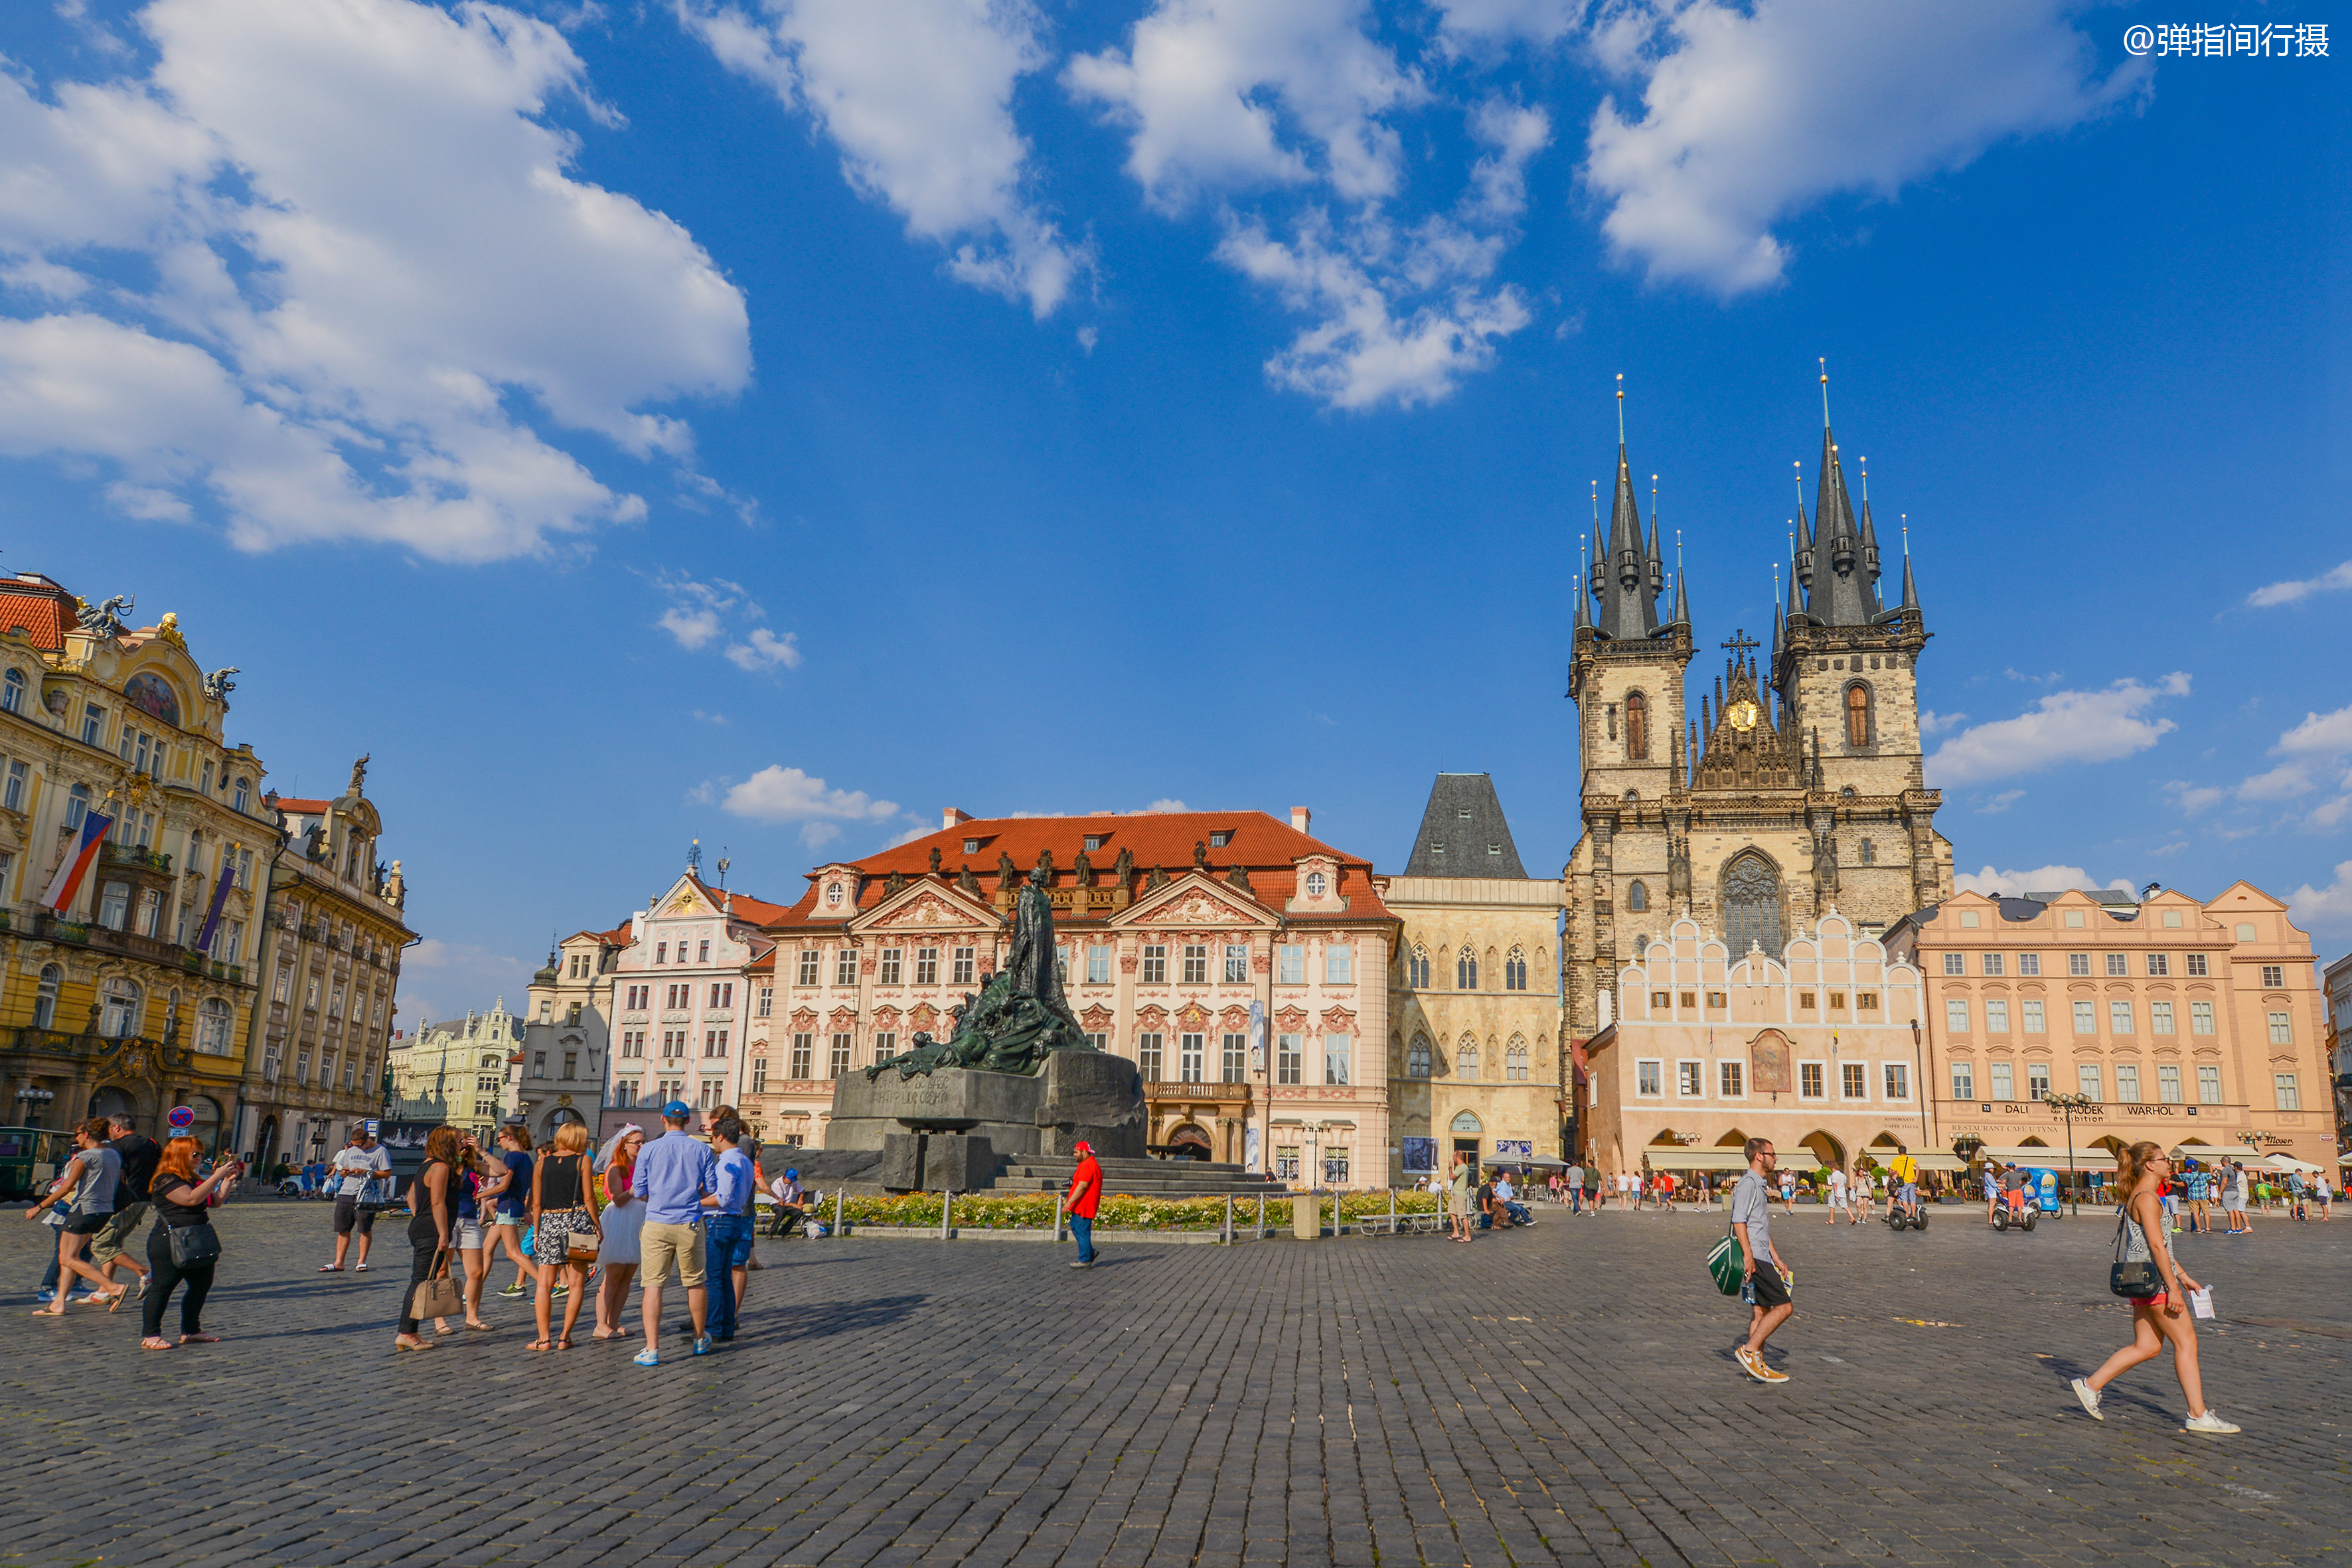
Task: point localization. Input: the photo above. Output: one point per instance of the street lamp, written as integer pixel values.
(2069, 1104)
(30, 1102)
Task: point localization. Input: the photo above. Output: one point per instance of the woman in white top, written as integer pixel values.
(2165, 1316)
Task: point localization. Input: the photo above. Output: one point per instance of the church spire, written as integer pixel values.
(1869, 539)
(1910, 589)
(1628, 570)
(1841, 596)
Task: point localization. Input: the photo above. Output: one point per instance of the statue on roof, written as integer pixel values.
(1008, 875)
(1124, 867)
(1199, 855)
(217, 685)
(966, 882)
(359, 773)
(935, 859)
(1020, 1016)
(109, 618)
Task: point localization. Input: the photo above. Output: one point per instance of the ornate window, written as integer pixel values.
(1637, 897)
(1751, 905)
(1637, 727)
(1465, 971)
(1857, 714)
(1515, 971)
(1869, 853)
(1417, 1057)
(1416, 969)
(1465, 1060)
(45, 1001)
(12, 692)
(1515, 1061)
(118, 1008)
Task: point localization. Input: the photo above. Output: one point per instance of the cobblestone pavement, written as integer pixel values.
(1560, 1394)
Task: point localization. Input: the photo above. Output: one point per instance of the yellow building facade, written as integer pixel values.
(111, 1003)
(1475, 996)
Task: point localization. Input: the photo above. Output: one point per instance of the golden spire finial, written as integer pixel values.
(1621, 408)
(1825, 393)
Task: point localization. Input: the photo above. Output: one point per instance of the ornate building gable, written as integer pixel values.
(1152, 1017)
(1098, 1019)
(922, 1015)
(928, 906)
(1745, 750)
(803, 1019)
(843, 1017)
(1192, 1016)
(1234, 1018)
(1291, 1021)
(686, 900)
(1192, 899)
(1338, 1021)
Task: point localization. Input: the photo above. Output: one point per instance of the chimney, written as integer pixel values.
(954, 816)
(1300, 817)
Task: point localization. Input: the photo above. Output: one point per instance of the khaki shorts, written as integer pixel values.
(660, 1244)
(106, 1245)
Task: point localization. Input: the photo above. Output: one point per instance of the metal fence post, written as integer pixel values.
(837, 1210)
(1261, 1217)
(1058, 1200)
(1228, 1236)
(947, 1203)
(1391, 1211)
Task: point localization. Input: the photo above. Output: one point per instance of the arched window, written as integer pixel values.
(1417, 1057)
(12, 692)
(1466, 1059)
(1869, 855)
(1637, 727)
(1416, 968)
(212, 1027)
(1751, 905)
(1515, 971)
(1515, 1061)
(1857, 714)
(1637, 897)
(118, 1008)
(45, 1000)
(1465, 971)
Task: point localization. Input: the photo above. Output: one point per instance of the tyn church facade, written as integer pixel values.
(1797, 786)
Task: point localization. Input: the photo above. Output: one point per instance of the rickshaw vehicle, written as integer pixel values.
(30, 1159)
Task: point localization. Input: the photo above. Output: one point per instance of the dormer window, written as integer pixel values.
(971, 845)
(1438, 847)
(1464, 813)
(1316, 883)
(1096, 840)
(1220, 837)
(832, 893)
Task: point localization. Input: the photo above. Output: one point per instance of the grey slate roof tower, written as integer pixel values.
(1463, 833)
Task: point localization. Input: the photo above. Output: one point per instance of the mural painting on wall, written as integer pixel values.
(1768, 1064)
(152, 696)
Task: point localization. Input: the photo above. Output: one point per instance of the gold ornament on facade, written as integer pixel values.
(168, 628)
(1743, 715)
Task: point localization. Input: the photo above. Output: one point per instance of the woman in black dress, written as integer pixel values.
(432, 1209)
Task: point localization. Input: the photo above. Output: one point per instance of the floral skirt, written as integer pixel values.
(551, 1241)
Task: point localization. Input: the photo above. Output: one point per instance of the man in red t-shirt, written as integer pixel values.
(1086, 1196)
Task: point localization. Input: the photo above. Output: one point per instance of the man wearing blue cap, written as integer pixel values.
(676, 1179)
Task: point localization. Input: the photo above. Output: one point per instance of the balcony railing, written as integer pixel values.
(155, 860)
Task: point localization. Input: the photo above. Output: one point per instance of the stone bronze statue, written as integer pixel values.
(1020, 1016)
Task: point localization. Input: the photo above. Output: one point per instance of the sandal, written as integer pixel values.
(331, 1268)
(414, 1345)
(564, 1343)
(48, 1312)
(200, 1339)
(157, 1343)
(542, 1344)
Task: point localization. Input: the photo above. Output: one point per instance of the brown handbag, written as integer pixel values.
(583, 1246)
(437, 1296)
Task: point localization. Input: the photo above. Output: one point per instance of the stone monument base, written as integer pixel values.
(956, 1128)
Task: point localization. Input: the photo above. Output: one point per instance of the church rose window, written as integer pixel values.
(1751, 905)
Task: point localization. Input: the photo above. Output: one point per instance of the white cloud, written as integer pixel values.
(917, 94)
(2282, 783)
(710, 718)
(1750, 115)
(2325, 910)
(440, 980)
(2295, 591)
(2040, 879)
(329, 269)
(1470, 23)
(2193, 798)
(765, 650)
(2319, 735)
(2002, 801)
(1164, 806)
(1932, 722)
(1268, 100)
(692, 629)
(2062, 727)
(778, 793)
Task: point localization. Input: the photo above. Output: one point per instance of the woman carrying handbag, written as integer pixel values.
(565, 1234)
(432, 1210)
(2145, 1274)
(183, 1247)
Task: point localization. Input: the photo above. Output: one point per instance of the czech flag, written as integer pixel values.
(77, 863)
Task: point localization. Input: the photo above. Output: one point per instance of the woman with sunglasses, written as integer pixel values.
(2140, 1171)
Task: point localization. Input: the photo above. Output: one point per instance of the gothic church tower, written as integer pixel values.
(1799, 787)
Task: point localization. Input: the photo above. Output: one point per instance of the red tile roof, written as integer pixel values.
(40, 609)
(758, 911)
(293, 808)
(1267, 845)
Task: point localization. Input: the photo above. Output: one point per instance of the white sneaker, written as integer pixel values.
(2089, 1398)
(2211, 1423)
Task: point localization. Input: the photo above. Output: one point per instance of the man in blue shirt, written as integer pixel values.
(727, 1234)
(676, 1179)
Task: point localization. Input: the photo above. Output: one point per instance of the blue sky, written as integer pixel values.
(776, 421)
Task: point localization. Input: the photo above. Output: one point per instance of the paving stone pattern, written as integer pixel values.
(1560, 1394)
